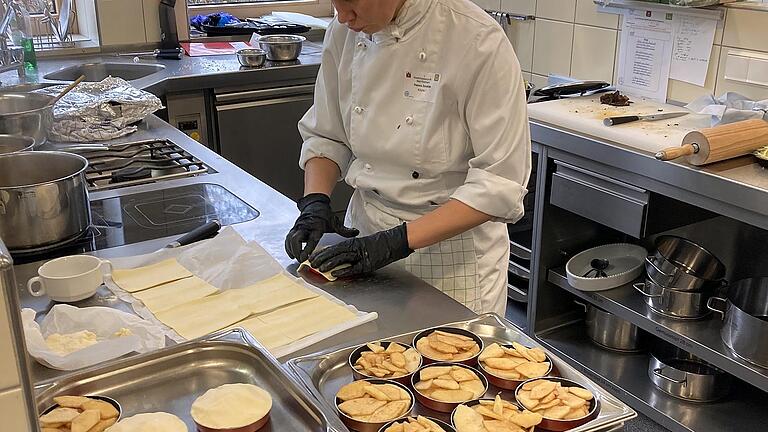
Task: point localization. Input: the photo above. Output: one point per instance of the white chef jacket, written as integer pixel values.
(431, 108)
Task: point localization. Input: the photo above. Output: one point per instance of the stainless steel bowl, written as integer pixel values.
(282, 47)
(15, 144)
(252, 57)
(26, 114)
(43, 199)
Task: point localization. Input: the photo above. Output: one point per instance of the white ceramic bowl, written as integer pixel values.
(625, 264)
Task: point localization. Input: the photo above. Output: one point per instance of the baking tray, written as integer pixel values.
(172, 378)
(324, 373)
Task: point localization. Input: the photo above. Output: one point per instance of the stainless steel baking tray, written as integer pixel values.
(171, 379)
(324, 373)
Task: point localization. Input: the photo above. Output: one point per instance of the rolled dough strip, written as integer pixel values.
(203, 316)
(141, 278)
(269, 294)
(268, 335)
(308, 317)
(327, 275)
(167, 296)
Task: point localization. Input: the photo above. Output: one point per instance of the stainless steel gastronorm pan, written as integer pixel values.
(172, 378)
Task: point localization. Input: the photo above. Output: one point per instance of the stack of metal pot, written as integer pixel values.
(681, 277)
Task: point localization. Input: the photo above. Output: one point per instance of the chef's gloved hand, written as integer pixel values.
(364, 254)
(316, 219)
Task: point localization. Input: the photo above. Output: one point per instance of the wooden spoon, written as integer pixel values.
(67, 90)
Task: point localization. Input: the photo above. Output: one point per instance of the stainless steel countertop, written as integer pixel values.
(189, 73)
(404, 302)
(737, 188)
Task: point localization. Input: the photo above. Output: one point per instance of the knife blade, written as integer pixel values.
(613, 121)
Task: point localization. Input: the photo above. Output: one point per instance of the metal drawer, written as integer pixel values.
(602, 199)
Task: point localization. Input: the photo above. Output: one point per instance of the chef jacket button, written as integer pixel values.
(361, 44)
(368, 167)
(358, 110)
(415, 174)
(409, 120)
(423, 56)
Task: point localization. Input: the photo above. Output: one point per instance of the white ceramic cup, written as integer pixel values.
(70, 278)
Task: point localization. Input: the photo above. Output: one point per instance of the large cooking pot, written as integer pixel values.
(674, 303)
(15, 144)
(683, 265)
(609, 331)
(26, 114)
(43, 199)
(680, 374)
(745, 319)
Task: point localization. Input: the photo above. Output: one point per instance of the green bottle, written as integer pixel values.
(21, 33)
(30, 58)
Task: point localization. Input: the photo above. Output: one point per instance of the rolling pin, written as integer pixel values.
(720, 142)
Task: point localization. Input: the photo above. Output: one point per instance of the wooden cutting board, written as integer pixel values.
(585, 115)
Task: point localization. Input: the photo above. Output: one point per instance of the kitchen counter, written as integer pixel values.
(189, 73)
(737, 188)
(404, 302)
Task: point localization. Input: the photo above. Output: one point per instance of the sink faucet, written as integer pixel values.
(11, 57)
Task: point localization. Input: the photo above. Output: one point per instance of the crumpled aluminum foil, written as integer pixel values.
(729, 108)
(99, 111)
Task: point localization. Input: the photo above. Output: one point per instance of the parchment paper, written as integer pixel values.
(229, 262)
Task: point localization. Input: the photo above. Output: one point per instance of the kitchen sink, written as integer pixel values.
(99, 71)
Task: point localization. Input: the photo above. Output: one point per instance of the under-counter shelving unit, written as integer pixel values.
(700, 337)
(626, 376)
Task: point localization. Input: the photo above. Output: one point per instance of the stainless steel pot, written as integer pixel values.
(680, 374)
(15, 144)
(683, 265)
(745, 319)
(43, 199)
(26, 114)
(610, 331)
(673, 303)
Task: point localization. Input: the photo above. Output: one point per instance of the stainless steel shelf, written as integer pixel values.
(516, 294)
(519, 270)
(700, 337)
(626, 377)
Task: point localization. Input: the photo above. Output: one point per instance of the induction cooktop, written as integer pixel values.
(139, 217)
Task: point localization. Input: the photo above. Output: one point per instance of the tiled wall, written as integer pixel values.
(570, 37)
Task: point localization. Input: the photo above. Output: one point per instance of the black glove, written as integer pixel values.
(316, 219)
(365, 254)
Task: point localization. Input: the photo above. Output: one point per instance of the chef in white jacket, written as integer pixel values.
(420, 106)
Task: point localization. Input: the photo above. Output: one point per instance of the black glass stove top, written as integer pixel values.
(146, 216)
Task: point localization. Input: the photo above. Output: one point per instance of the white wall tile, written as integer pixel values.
(594, 53)
(562, 10)
(121, 22)
(539, 80)
(680, 91)
(519, 7)
(723, 85)
(9, 369)
(488, 4)
(521, 34)
(747, 29)
(552, 47)
(13, 411)
(586, 13)
(151, 10)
